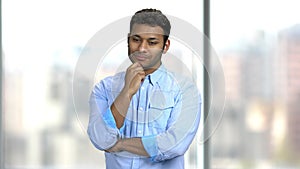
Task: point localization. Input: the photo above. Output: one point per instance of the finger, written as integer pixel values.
(137, 81)
(134, 65)
(139, 72)
(141, 76)
(131, 67)
(138, 67)
(134, 68)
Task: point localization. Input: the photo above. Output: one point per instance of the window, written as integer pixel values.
(42, 42)
(258, 44)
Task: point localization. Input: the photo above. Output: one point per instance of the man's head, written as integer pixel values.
(152, 17)
(148, 38)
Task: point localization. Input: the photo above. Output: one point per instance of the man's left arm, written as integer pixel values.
(182, 126)
(132, 145)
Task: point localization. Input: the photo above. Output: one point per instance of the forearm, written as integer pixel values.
(132, 145)
(134, 75)
(119, 108)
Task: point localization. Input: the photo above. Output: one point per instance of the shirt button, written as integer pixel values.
(139, 131)
(141, 108)
(143, 87)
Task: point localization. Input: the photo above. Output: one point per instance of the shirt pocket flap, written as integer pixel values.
(162, 102)
(160, 109)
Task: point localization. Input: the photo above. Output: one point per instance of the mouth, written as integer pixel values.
(139, 57)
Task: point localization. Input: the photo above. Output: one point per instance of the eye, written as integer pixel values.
(152, 43)
(135, 39)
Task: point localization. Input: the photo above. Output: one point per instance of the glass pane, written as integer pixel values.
(42, 42)
(258, 43)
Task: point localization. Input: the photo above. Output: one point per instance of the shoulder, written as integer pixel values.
(176, 80)
(112, 81)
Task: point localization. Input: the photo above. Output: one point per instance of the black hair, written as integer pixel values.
(152, 17)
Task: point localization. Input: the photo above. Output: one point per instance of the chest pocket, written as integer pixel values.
(160, 108)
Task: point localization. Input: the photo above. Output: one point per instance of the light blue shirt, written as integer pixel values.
(164, 113)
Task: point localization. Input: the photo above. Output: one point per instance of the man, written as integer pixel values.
(147, 116)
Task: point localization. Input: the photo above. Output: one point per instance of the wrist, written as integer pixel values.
(121, 145)
(126, 93)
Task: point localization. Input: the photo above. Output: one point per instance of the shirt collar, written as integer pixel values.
(155, 76)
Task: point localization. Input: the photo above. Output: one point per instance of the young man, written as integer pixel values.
(147, 116)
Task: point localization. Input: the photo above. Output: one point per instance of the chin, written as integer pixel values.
(148, 68)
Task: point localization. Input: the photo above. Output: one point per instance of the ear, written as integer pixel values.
(167, 45)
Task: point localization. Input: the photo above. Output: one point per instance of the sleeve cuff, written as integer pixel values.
(109, 119)
(150, 145)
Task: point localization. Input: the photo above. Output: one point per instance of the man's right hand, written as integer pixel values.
(133, 78)
(134, 75)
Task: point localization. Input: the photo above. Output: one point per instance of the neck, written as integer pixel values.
(152, 69)
(149, 71)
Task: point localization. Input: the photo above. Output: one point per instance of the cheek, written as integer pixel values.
(132, 48)
(156, 52)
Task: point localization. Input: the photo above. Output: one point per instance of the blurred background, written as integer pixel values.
(258, 44)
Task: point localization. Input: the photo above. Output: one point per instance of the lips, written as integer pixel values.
(140, 58)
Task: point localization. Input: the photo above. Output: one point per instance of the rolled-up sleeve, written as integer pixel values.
(150, 145)
(182, 127)
(102, 129)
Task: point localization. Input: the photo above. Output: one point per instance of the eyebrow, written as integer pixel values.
(151, 38)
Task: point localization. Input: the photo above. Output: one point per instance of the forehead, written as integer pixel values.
(143, 29)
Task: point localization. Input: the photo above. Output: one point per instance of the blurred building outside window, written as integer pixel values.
(259, 46)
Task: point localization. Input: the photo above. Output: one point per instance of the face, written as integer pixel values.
(146, 45)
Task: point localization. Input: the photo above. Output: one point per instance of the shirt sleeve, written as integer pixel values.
(102, 129)
(182, 127)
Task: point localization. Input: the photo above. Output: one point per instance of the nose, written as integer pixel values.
(143, 46)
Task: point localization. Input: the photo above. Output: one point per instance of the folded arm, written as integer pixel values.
(175, 141)
(133, 145)
(183, 125)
